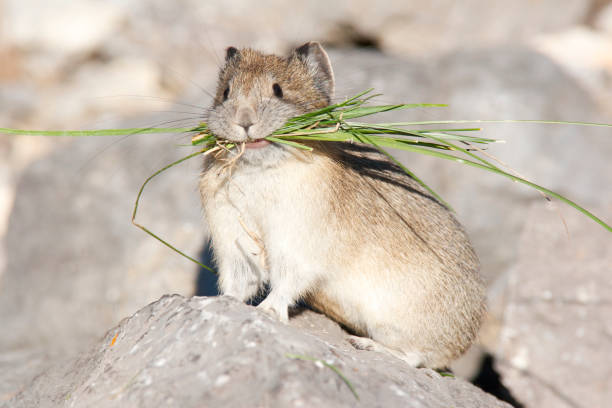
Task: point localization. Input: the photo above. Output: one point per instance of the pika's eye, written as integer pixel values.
(278, 91)
(225, 94)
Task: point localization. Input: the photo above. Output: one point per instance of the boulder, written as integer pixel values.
(218, 352)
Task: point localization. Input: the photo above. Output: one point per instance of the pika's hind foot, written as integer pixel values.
(364, 343)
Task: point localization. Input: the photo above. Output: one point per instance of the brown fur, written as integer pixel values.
(409, 223)
(298, 85)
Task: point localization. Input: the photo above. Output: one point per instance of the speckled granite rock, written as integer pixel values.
(218, 352)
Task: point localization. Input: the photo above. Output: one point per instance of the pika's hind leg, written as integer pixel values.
(413, 359)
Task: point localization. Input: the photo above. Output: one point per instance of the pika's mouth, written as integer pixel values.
(257, 144)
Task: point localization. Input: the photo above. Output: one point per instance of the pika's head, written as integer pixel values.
(258, 93)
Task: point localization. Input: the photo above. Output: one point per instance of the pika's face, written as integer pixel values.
(258, 93)
(254, 98)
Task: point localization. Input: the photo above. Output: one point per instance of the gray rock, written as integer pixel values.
(19, 367)
(556, 347)
(218, 352)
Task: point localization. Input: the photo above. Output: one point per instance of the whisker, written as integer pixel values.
(185, 78)
(159, 98)
(169, 122)
(192, 114)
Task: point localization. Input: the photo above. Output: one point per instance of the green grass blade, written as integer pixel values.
(464, 151)
(100, 132)
(369, 140)
(533, 121)
(339, 136)
(146, 229)
(289, 142)
(361, 111)
(203, 139)
(511, 177)
(447, 135)
(444, 133)
(355, 98)
(382, 140)
(330, 366)
(348, 102)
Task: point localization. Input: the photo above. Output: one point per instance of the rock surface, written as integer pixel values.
(217, 352)
(557, 332)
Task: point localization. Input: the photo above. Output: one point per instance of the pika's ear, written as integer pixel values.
(317, 61)
(230, 53)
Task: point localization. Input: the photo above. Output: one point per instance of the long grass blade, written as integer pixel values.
(371, 110)
(289, 142)
(100, 132)
(369, 140)
(137, 202)
(513, 178)
(533, 121)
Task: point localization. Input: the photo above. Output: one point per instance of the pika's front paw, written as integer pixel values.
(275, 309)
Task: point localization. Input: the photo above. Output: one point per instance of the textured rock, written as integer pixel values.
(218, 352)
(556, 348)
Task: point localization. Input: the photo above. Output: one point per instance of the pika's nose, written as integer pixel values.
(245, 118)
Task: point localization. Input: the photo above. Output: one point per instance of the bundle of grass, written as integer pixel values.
(335, 123)
(330, 125)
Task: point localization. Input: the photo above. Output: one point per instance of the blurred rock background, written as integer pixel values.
(72, 265)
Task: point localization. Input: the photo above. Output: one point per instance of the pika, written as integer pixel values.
(341, 228)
